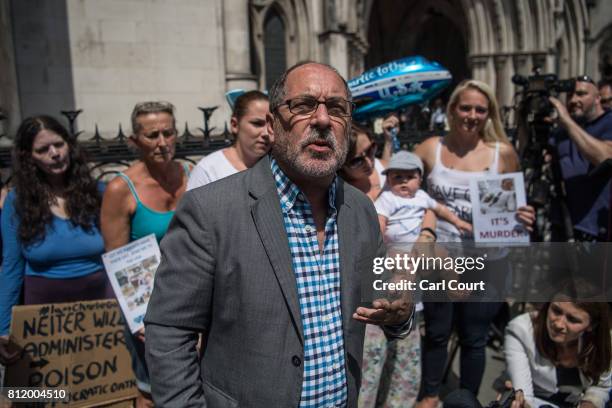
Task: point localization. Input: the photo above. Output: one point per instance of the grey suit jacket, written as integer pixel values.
(226, 271)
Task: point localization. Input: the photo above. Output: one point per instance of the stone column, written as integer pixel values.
(482, 69)
(336, 47)
(504, 71)
(335, 38)
(237, 46)
(9, 96)
(521, 64)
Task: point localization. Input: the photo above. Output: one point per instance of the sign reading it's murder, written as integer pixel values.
(495, 201)
(79, 347)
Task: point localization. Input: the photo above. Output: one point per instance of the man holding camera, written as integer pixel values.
(584, 141)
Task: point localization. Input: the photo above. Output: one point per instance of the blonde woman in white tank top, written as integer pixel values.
(475, 145)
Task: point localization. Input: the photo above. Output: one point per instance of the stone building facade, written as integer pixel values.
(103, 56)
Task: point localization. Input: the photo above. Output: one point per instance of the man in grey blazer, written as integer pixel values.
(268, 264)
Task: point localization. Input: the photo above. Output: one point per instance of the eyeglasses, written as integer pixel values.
(307, 105)
(585, 78)
(360, 160)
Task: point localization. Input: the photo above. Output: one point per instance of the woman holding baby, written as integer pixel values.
(475, 146)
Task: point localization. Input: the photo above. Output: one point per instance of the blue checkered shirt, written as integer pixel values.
(317, 274)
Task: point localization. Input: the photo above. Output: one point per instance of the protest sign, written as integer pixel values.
(495, 200)
(78, 347)
(131, 270)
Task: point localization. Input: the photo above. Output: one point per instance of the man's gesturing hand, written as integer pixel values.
(384, 313)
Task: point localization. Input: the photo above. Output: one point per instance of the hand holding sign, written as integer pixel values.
(526, 215)
(9, 352)
(140, 334)
(499, 212)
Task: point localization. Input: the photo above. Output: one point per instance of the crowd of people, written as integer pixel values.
(257, 300)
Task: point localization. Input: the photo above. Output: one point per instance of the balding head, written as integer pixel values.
(310, 120)
(584, 103)
(278, 91)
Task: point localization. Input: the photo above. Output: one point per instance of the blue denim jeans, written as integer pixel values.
(136, 348)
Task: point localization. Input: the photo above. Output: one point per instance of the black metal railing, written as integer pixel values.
(107, 151)
(101, 151)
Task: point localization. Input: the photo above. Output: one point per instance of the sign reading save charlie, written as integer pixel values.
(78, 347)
(397, 84)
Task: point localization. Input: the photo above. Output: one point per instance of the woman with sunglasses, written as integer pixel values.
(402, 357)
(362, 169)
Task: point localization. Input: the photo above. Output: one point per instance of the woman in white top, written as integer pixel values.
(248, 125)
(475, 145)
(560, 356)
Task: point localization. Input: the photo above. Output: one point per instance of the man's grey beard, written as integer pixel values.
(307, 162)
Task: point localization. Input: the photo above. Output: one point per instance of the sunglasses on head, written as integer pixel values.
(360, 160)
(584, 78)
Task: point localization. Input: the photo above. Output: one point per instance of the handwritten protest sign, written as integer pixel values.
(79, 347)
(131, 271)
(494, 210)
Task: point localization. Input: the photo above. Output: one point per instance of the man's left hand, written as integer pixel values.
(564, 116)
(384, 313)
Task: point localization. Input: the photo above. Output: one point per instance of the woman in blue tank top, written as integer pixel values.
(142, 201)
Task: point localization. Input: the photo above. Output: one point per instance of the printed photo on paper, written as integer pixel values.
(494, 210)
(131, 271)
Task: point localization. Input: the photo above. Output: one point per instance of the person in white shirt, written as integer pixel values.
(437, 122)
(401, 208)
(402, 204)
(557, 357)
(561, 355)
(252, 141)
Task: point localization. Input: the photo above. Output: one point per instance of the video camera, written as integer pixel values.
(505, 401)
(536, 89)
(539, 159)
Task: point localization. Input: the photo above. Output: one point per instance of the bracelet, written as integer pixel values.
(427, 237)
(431, 231)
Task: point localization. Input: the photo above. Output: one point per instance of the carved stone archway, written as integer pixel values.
(505, 37)
(434, 29)
(296, 18)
